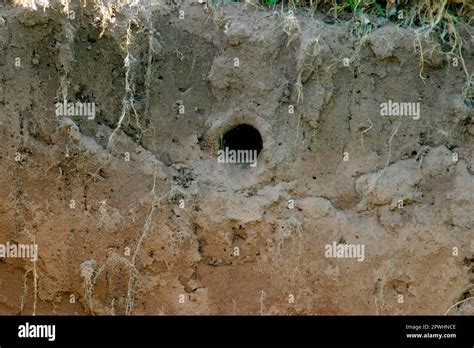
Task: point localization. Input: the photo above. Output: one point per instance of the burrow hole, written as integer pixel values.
(242, 137)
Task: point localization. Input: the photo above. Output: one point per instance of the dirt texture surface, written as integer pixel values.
(133, 214)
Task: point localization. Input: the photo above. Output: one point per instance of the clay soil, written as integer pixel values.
(133, 214)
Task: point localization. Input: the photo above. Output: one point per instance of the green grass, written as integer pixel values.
(269, 3)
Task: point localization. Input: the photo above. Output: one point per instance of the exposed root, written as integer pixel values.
(263, 309)
(463, 302)
(32, 237)
(291, 26)
(35, 284)
(299, 229)
(127, 101)
(297, 130)
(144, 232)
(421, 61)
(389, 156)
(234, 306)
(365, 131)
(25, 292)
(149, 71)
(90, 274)
(87, 272)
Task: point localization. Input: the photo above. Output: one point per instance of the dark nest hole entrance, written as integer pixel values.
(242, 137)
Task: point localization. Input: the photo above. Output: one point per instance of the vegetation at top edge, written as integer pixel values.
(423, 9)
